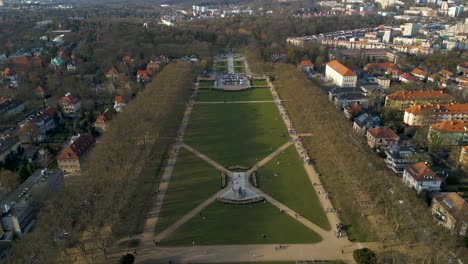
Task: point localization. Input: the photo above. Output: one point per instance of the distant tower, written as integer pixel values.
(388, 36)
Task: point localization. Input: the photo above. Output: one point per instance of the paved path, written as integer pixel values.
(208, 160)
(268, 158)
(236, 102)
(230, 60)
(189, 215)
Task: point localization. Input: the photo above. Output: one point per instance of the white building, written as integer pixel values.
(340, 74)
(411, 29)
(421, 115)
(420, 177)
(455, 11)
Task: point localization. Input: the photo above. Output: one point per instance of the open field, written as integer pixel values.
(239, 63)
(292, 186)
(221, 69)
(240, 69)
(259, 82)
(221, 63)
(236, 134)
(206, 83)
(192, 182)
(230, 224)
(214, 95)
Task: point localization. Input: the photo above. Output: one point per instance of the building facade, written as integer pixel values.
(399, 157)
(69, 159)
(451, 211)
(70, 104)
(421, 115)
(381, 137)
(402, 99)
(421, 178)
(449, 133)
(340, 74)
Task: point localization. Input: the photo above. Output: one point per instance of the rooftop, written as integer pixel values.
(78, 147)
(451, 126)
(419, 95)
(421, 172)
(340, 68)
(438, 109)
(452, 202)
(382, 132)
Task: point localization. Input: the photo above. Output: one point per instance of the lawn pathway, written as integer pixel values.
(268, 158)
(236, 102)
(208, 160)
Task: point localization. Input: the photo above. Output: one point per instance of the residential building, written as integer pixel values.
(36, 128)
(402, 99)
(119, 103)
(10, 106)
(364, 122)
(421, 115)
(340, 74)
(451, 211)
(70, 104)
(464, 157)
(344, 99)
(9, 142)
(143, 75)
(398, 157)
(71, 67)
(21, 206)
(449, 133)
(388, 36)
(101, 123)
(381, 137)
(418, 73)
(306, 65)
(421, 178)
(70, 158)
(411, 29)
(384, 82)
(351, 109)
(112, 73)
(455, 11)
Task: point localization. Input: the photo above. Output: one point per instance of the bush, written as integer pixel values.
(364, 256)
(127, 259)
(452, 180)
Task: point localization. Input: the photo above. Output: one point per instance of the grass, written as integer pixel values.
(213, 95)
(236, 134)
(206, 83)
(357, 227)
(193, 181)
(240, 69)
(221, 69)
(259, 82)
(225, 224)
(222, 63)
(292, 186)
(239, 63)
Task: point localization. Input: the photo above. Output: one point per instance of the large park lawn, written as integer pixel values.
(225, 224)
(192, 182)
(236, 134)
(215, 95)
(292, 186)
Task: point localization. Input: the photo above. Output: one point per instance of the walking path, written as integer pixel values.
(189, 215)
(236, 102)
(268, 158)
(230, 61)
(208, 160)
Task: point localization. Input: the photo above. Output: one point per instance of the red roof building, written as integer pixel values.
(340, 74)
(101, 123)
(381, 137)
(420, 177)
(70, 104)
(70, 157)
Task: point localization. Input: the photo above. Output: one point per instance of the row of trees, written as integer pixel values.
(397, 215)
(89, 210)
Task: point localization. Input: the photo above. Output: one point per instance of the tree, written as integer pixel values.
(29, 132)
(127, 259)
(364, 256)
(23, 173)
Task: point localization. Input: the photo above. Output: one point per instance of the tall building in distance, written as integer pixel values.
(411, 29)
(455, 11)
(388, 36)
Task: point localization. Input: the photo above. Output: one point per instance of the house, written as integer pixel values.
(70, 157)
(10, 106)
(36, 128)
(351, 109)
(406, 78)
(152, 66)
(70, 104)
(119, 103)
(418, 73)
(449, 133)
(143, 75)
(381, 137)
(71, 67)
(6, 72)
(398, 157)
(112, 73)
(384, 82)
(22, 62)
(464, 157)
(402, 99)
(451, 211)
(340, 74)
(56, 63)
(364, 122)
(343, 99)
(420, 177)
(306, 66)
(9, 142)
(379, 66)
(19, 209)
(446, 74)
(101, 123)
(462, 67)
(127, 60)
(421, 115)
(40, 91)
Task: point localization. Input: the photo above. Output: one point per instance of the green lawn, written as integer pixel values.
(206, 83)
(223, 224)
(193, 181)
(239, 63)
(236, 134)
(240, 69)
(292, 186)
(221, 69)
(259, 82)
(213, 95)
(222, 63)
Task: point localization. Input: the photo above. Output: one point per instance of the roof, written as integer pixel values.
(69, 99)
(382, 132)
(306, 63)
(383, 65)
(417, 71)
(77, 148)
(112, 72)
(452, 202)
(451, 126)
(142, 72)
(446, 73)
(7, 104)
(340, 68)
(152, 65)
(101, 120)
(421, 172)
(438, 109)
(118, 99)
(419, 95)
